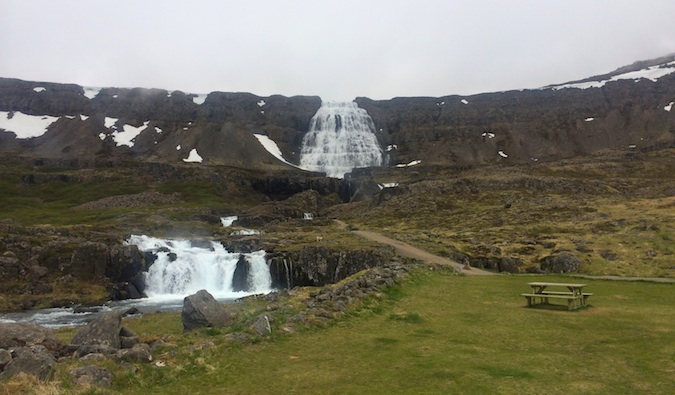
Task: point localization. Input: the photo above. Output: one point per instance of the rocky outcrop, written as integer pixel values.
(34, 360)
(27, 348)
(561, 263)
(318, 265)
(202, 310)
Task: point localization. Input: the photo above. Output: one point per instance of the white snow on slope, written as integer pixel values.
(128, 133)
(388, 185)
(589, 119)
(272, 148)
(488, 135)
(464, 101)
(25, 126)
(39, 89)
(669, 106)
(90, 92)
(261, 103)
(502, 154)
(392, 147)
(651, 73)
(199, 99)
(110, 122)
(413, 163)
(193, 157)
(228, 221)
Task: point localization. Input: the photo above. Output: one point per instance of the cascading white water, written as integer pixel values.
(182, 269)
(341, 137)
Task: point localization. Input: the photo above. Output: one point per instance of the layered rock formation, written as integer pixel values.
(626, 109)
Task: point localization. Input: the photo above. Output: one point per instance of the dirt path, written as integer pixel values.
(409, 251)
(406, 249)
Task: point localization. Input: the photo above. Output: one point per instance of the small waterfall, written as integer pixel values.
(182, 269)
(341, 137)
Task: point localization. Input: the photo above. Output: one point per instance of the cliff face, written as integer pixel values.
(620, 110)
(527, 125)
(167, 125)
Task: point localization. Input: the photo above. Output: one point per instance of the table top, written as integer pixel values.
(557, 284)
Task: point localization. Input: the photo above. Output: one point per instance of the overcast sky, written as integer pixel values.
(335, 49)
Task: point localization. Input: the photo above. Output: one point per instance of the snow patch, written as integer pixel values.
(307, 216)
(488, 135)
(110, 122)
(178, 147)
(102, 136)
(589, 119)
(128, 134)
(158, 130)
(84, 117)
(391, 147)
(193, 157)
(464, 101)
(413, 163)
(272, 148)
(199, 98)
(114, 96)
(228, 221)
(25, 126)
(261, 103)
(669, 106)
(388, 185)
(502, 154)
(652, 73)
(39, 89)
(90, 92)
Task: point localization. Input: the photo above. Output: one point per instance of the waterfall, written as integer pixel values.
(341, 137)
(182, 268)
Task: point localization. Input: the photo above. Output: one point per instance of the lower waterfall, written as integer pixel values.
(341, 137)
(182, 268)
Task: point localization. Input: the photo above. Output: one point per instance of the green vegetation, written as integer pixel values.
(435, 333)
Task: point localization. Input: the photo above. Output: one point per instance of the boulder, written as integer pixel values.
(562, 263)
(138, 353)
(103, 330)
(5, 357)
(261, 325)
(34, 360)
(202, 310)
(92, 375)
(22, 334)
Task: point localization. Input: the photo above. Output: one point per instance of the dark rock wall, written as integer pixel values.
(527, 125)
(318, 266)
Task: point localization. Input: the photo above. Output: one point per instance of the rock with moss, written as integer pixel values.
(202, 310)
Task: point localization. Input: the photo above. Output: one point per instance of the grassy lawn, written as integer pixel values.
(436, 333)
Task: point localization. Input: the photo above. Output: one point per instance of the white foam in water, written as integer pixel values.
(196, 268)
(341, 137)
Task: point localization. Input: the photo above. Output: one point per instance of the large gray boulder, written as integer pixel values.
(203, 310)
(104, 330)
(21, 334)
(563, 263)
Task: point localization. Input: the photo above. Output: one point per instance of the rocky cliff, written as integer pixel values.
(625, 109)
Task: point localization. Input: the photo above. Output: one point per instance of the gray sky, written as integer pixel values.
(334, 49)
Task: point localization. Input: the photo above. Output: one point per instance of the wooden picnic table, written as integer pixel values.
(574, 295)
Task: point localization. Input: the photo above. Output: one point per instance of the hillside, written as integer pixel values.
(576, 177)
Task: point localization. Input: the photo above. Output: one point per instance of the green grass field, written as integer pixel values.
(435, 333)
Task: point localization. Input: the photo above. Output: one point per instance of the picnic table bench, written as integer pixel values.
(574, 295)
